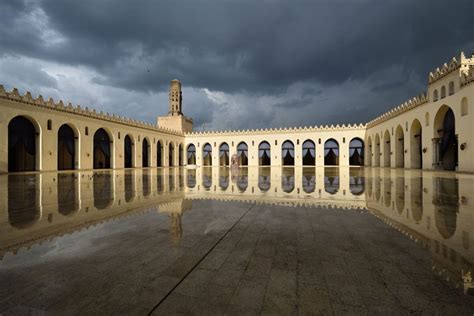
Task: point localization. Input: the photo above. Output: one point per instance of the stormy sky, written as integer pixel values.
(242, 63)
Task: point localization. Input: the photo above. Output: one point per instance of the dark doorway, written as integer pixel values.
(128, 150)
(264, 153)
(145, 151)
(101, 149)
(21, 145)
(66, 148)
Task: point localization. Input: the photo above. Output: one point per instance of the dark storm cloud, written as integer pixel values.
(246, 46)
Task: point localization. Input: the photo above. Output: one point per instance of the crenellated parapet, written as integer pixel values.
(39, 101)
(402, 108)
(461, 62)
(282, 130)
(467, 76)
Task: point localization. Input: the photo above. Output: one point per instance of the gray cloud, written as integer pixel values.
(308, 62)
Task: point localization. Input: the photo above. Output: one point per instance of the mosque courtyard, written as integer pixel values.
(252, 240)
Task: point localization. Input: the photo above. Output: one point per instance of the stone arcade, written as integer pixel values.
(430, 131)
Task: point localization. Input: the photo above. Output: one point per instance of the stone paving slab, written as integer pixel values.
(235, 259)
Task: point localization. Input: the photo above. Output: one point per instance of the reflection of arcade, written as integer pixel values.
(421, 198)
(318, 186)
(41, 206)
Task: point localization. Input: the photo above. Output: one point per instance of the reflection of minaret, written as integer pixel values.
(175, 211)
(175, 229)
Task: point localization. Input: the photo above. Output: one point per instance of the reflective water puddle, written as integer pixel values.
(248, 240)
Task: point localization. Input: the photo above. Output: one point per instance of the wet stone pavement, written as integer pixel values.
(229, 257)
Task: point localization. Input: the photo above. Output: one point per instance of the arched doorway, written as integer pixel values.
(145, 153)
(416, 154)
(287, 153)
(377, 151)
(66, 148)
(159, 154)
(207, 155)
(386, 149)
(128, 152)
(356, 152)
(191, 154)
(264, 158)
(21, 145)
(242, 154)
(170, 155)
(309, 153)
(180, 154)
(399, 148)
(445, 139)
(369, 147)
(102, 153)
(224, 154)
(331, 153)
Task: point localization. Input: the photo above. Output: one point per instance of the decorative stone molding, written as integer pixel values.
(15, 96)
(402, 108)
(284, 130)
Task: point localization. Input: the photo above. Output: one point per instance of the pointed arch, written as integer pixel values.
(207, 155)
(170, 154)
(159, 153)
(399, 147)
(331, 152)
(288, 153)
(128, 152)
(309, 153)
(445, 139)
(145, 152)
(191, 154)
(242, 154)
(377, 153)
(67, 147)
(416, 139)
(386, 149)
(264, 154)
(223, 154)
(102, 149)
(23, 144)
(356, 152)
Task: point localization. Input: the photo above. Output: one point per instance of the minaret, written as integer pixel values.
(175, 99)
(175, 119)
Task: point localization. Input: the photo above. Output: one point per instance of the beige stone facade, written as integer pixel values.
(431, 131)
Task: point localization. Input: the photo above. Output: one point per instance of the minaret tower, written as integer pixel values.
(175, 99)
(175, 119)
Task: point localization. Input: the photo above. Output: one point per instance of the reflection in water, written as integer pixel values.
(103, 193)
(264, 179)
(242, 179)
(387, 188)
(68, 201)
(288, 180)
(331, 180)
(23, 200)
(146, 185)
(207, 178)
(377, 183)
(223, 178)
(400, 194)
(446, 203)
(416, 195)
(309, 180)
(444, 226)
(129, 189)
(356, 181)
(191, 178)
